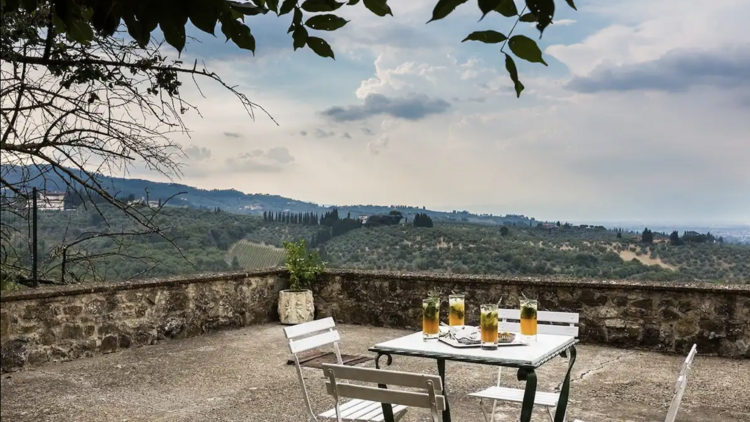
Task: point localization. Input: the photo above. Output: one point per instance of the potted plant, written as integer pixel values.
(296, 304)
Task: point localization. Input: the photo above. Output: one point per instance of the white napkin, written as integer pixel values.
(467, 335)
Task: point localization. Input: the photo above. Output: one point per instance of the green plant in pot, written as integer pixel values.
(296, 304)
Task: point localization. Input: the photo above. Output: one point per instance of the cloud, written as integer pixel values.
(320, 133)
(197, 153)
(410, 107)
(303, 132)
(346, 135)
(367, 131)
(470, 99)
(675, 71)
(377, 146)
(272, 160)
(232, 135)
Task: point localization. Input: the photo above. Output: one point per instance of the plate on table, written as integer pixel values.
(464, 336)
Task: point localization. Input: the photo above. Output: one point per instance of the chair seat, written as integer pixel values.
(516, 395)
(363, 410)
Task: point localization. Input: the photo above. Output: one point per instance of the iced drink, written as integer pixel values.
(488, 326)
(431, 318)
(528, 320)
(457, 313)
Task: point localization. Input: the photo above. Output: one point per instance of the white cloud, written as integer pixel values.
(553, 153)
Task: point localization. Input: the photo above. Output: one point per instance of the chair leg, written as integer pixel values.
(552, 415)
(484, 413)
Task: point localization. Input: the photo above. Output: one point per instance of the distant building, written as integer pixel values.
(50, 201)
(363, 219)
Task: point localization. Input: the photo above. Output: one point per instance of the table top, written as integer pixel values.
(531, 355)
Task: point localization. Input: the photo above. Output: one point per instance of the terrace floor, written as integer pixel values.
(242, 375)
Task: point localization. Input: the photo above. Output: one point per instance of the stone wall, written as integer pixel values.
(666, 317)
(64, 323)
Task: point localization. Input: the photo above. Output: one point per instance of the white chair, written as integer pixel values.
(680, 386)
(544, 318)
(317, 334)
(432, 398)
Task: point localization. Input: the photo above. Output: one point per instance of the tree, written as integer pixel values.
(674, 239)
(619, 235)
(647, 236)
(422, 220)
(504, 231)
(83, 21)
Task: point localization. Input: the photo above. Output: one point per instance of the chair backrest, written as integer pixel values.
(312, 335)
(681, 385)
(431, 397)
(510, 321)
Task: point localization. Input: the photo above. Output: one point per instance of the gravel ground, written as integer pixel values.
(242, 375)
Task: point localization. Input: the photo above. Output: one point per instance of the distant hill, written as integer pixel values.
(237, 202)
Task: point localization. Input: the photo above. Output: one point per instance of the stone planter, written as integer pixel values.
(296, 307)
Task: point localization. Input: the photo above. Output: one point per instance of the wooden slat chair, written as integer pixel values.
(318, 334)
(430, 397)
(680, 386)
(506, 322)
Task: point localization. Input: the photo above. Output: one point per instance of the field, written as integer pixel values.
(252, 255)
(570, 252)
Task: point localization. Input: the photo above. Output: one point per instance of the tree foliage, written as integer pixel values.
(84, 20)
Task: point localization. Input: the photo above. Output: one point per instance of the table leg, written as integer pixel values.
(527, 407)
(562, 404)
(387, 407)
(441, 372)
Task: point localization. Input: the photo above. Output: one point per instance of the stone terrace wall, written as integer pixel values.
(64, 323)
(664, 317)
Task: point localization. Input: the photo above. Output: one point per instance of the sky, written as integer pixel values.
(642, 114)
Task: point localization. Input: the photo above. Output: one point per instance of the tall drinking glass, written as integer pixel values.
(528, 320)
(457, 313)
(488, 326)
(431, 318)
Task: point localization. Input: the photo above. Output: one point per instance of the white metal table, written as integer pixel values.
(526, 358)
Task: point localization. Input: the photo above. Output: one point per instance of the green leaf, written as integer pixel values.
(174, 34)
(326, 22)
(487, 37)
(287, 6)
(510, 66)
(352, 2)
(544, 10)
(299, 37)
(525, 48)
(80, 31)
(378, 7)
(529, 17)
(321, 5)
(320, 47)
(486, 6)
(204, 14)
(507, 8)
(444, 8)
(273, 5)
(243, 38)
(228, 25)
(571, 4)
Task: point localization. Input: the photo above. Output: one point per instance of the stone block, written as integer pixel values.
(73, 310)
(686, 328)
(4, 325)
(646, 304)
(14, 354)
(72, 332)
(109, 344)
